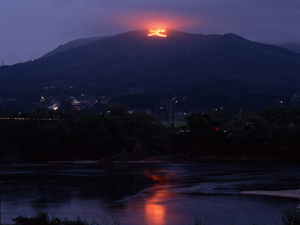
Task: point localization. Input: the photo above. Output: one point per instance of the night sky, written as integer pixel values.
(31, 28)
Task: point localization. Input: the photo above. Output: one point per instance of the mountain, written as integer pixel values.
(155, 64)
(291, 46)
(74, 44)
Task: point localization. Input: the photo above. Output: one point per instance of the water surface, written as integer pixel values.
(150, 193)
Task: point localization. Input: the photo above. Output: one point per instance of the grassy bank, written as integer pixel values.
(290, 216)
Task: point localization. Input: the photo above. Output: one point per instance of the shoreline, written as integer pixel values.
(280, 193)
(149, 160)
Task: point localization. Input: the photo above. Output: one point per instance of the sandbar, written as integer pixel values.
(281, 193)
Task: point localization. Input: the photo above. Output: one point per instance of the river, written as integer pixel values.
(160, 194)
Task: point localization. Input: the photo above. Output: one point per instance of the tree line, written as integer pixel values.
(118, 135)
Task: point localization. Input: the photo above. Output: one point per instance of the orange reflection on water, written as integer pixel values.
(155, 213)
(154, 210)
(158, 175)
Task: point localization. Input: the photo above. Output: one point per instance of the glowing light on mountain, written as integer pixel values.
(157, 32)
(157, 20)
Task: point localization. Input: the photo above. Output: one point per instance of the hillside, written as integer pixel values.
(177, 63)
(74, 44)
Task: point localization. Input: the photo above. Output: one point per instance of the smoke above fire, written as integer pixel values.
(149, 20)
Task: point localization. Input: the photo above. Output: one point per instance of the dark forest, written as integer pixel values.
(44, 134)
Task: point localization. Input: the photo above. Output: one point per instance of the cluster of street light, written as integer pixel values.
(22, 118)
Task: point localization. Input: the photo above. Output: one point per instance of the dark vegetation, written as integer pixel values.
(288, 217)
(43, 219)
(117, 135)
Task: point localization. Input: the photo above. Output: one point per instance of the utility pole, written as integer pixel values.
(176, 118)
(170, 112)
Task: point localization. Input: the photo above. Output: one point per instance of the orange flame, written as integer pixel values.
(157, 33)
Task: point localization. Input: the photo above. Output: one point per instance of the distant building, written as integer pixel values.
(105, 100)
(148, 111)
(136, 90)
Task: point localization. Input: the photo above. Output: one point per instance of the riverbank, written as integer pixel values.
(288, 216)
(147, 160)
(281, 193)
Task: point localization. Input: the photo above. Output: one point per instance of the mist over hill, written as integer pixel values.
(74, 44)
(181, 63)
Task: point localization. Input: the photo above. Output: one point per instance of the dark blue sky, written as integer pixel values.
(31, 28)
